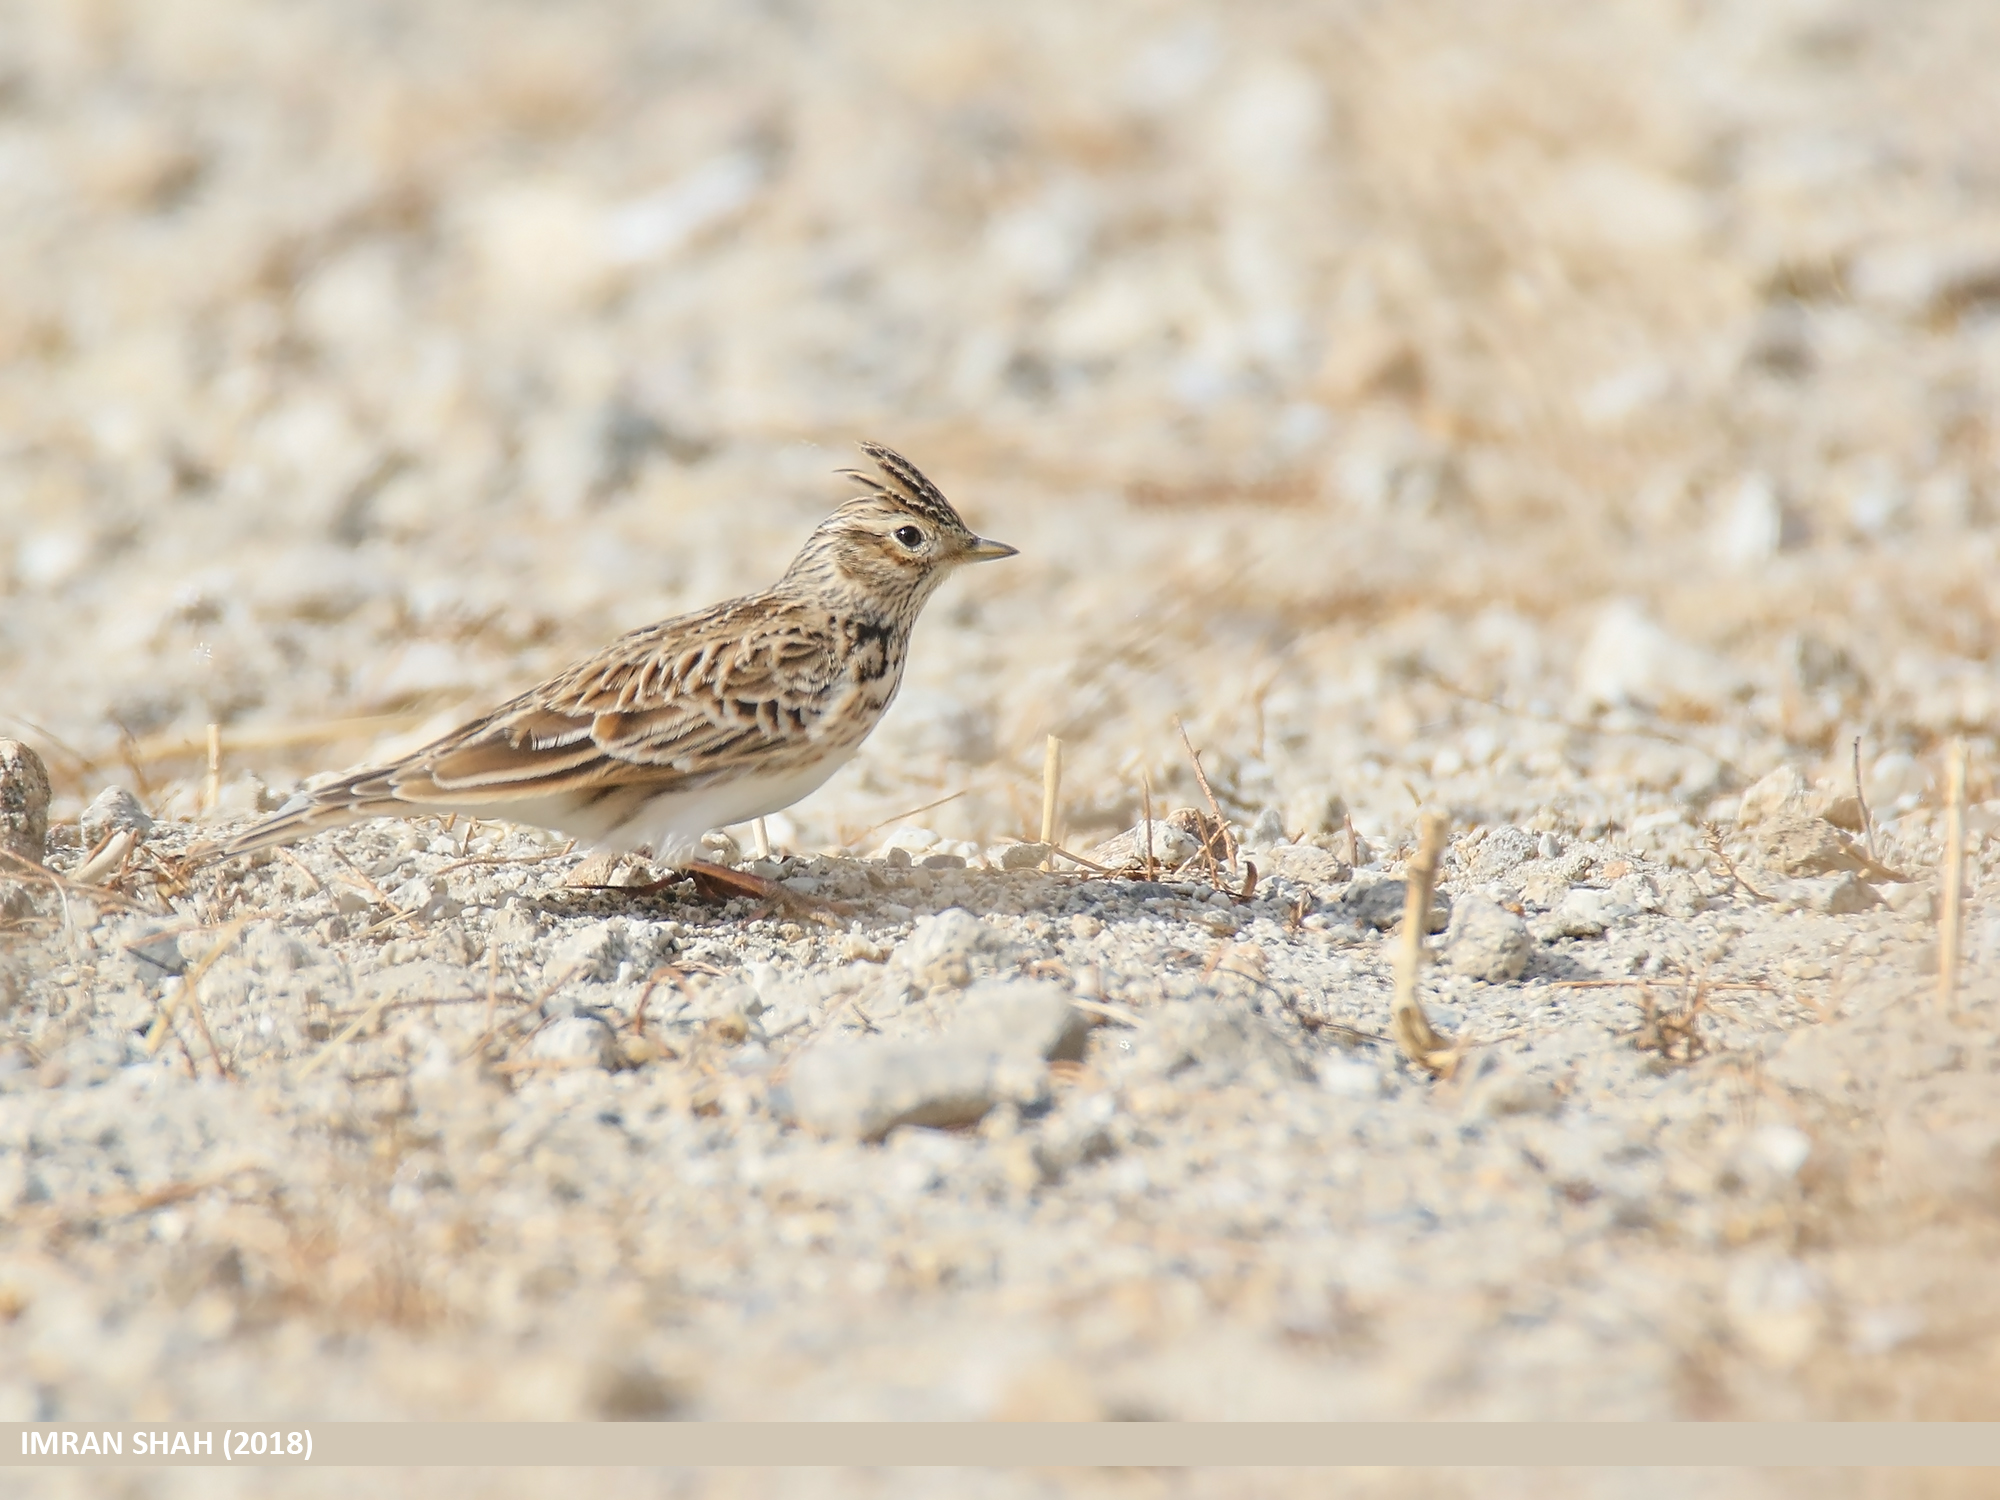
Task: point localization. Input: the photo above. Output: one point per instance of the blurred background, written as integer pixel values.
(1552, 410)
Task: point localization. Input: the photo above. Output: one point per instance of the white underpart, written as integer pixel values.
(671, 824)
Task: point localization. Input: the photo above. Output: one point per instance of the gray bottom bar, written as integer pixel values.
(1006, 1445)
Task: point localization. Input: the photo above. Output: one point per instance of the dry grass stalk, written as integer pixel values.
(505, 859)
(850, 842)
(1951, 907)
(135, 752)
(156, 1036)
(1675, 1034)
(211, 792)
(1051, 788)
(1712, 837)
(763, 837)
(26, 869)
(1146, 800)
(1058, 852)
(1215, 811)
(1861, 801)
(1414, 1033)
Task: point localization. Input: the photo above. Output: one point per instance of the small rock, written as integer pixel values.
(1486, 941)
(593, 953)
(953, 948)
(1503, 849)
(1025, 1015)
(1829, 895)
(1777, 792)
(1375, 900)
(1585, 912)
(113, 810)
(866, 1090)
(582, 1040)
(1024, 856)
(1796, 843)
(1267, 830)
(1305, 863)
(997, 1049)
(1350, 1078)
(1499, 1088)
(412, 896)
(942, 862)
(1223, 1044)
(1631, 660)
(24, 801)
(1847, 895)
(858, 947)
(1777, 1151)
(157, 954)
(1175, 840)
(1914, 899)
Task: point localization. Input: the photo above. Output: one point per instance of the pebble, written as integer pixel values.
(1776, 792)
(996, 1047)
(953, 947)
(1503, 849)
(1914, 898)
(1584, 912)
(113, 810)
(24, 801)
(1305, 863)
(1172, 844)
(584, 1040)
(1375, 900)
(1486, 941)
(865, 1090)
(1023, 856)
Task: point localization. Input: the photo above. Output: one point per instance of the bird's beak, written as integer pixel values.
(982, 550)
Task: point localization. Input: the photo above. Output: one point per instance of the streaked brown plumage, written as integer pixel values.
(697, 722)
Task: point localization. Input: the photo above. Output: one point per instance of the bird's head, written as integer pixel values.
(895, 542)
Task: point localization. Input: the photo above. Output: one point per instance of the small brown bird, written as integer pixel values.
(698, 722)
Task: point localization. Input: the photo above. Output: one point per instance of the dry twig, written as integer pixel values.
(1146, 799)
(1712, 837)
(849, 843)
(23, 868)
(1674, 1034)
(211, 792)
(1414, 1033)
(157, 1034)
(1215, 811)
(1051, 789)
(1861, 801)
(1951, 905)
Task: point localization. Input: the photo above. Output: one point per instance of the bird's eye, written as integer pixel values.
(910, 537)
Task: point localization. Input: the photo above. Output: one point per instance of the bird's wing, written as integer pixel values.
(669, 707)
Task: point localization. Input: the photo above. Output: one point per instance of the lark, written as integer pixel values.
(697, 722)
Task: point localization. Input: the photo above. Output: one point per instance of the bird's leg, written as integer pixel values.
(719, 883)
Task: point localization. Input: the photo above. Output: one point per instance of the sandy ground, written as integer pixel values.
(1567, 418)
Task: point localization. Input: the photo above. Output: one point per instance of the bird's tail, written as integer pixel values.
(310, 812)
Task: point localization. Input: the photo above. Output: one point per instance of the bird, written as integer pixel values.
(694, 723)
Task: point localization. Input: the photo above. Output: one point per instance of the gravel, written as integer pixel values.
(24, 801)
(1492, 412)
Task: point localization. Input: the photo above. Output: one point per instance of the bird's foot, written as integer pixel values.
(715, 882)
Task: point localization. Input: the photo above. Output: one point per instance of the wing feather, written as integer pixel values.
(672, 706)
